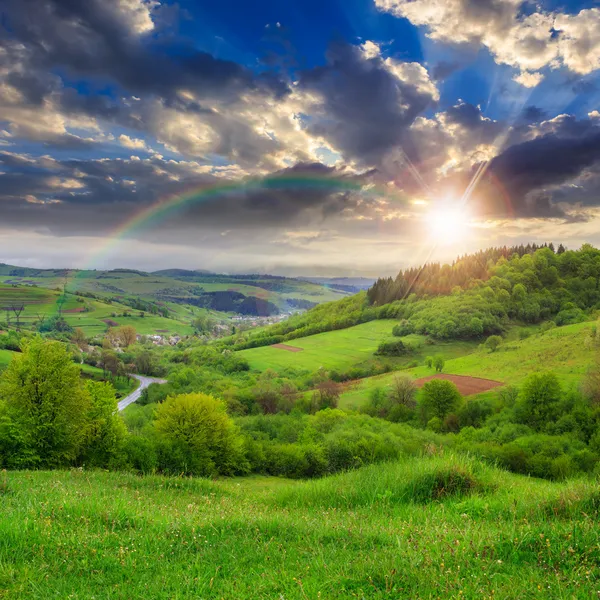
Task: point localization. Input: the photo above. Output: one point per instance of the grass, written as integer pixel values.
(155, 287)
(562, 350)
(346, 348)
(41, 302)
(5, 358)
(399, 530)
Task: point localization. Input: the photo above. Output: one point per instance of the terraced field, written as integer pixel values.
(39, 304)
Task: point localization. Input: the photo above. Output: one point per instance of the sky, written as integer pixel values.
(324, 137)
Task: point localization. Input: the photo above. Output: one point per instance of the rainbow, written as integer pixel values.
(162, 209)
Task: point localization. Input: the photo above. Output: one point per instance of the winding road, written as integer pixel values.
(144, 383)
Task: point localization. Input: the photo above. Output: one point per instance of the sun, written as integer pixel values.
(448, 225)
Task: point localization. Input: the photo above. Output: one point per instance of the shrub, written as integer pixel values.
(395, 348)
(199, 436)
(439, 363)
(106, 430)
(540, 398)
(403, 328)
(493, 342)
(439, 398)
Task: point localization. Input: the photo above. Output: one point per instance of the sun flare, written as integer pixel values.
(448, 225)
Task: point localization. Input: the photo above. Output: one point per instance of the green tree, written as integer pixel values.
(106, 432)
(46, 404)
(540, 398)
(198, 436)
(439, 398)
(493, 342)
(439, 363)
(429, 362)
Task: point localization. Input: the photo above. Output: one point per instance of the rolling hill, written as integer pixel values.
(259, 295)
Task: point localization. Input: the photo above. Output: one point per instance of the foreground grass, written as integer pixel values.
(562, 350)
(437, 527)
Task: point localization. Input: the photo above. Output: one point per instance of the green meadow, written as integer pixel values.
(41, 303)
(431, 527)
(563, 350)
(346, 348)
(5, 358)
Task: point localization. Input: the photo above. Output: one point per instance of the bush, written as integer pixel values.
(540, 399)
(439, 398)
(395, 348)
(403, 328)
(198, 437)
(439, 363)
(493, 342)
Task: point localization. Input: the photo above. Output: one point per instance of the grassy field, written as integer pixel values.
(5, 358)
(40, 303)
(152, 286)
(562, 350)
(346, 348)
(437, 527)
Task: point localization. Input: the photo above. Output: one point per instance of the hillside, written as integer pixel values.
(437, 527)
(344, 349)
(565, 351)
(259, 295)
(93, 316)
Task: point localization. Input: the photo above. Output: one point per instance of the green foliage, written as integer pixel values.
(197, 437)
(438, 363)
(56, 324)
(539, 401)
(493, 342)
(106, 430)
(403, 328)
(439, 398)
(395, 348)
(45, 421)
(329, 441)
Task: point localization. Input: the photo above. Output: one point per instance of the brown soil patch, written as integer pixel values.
(466, 385)
(286, 347)
(110, 322)
(71, 311)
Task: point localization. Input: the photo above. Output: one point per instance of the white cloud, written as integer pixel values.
(528, 80)
(525, 42)
(132, 143)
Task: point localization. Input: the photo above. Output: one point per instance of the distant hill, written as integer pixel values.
(247, 294)
(348, 284)
(181, 273)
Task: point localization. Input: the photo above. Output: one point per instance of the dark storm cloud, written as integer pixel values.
(66, 197)
(106, 39)
(530, 172)
(532, 114)
(366, 109)
(471, 119)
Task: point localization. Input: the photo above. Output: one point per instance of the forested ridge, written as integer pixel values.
(477, 295)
